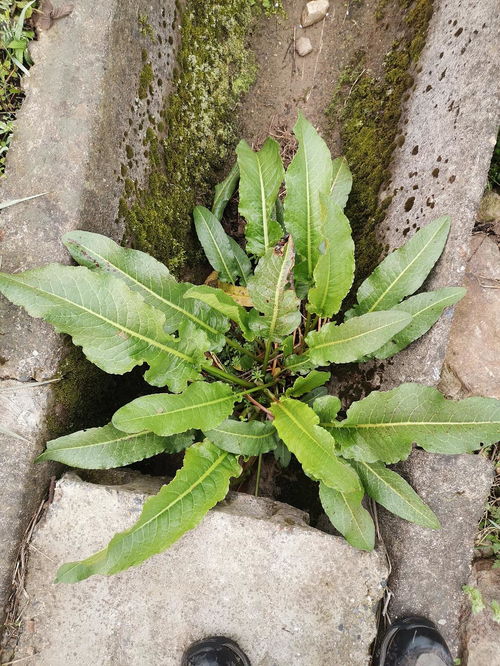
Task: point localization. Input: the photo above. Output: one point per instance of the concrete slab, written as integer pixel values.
(82, 117)
(253, 571)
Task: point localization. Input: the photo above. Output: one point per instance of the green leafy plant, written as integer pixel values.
(240, 358)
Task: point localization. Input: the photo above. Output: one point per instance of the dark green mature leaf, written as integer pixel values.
(270, 295)
(261, 175)
(107, 447)
(308, 177)
(348, 516)
(313, 446)
(334, 270)
(282, 454)
(341, 182)
(403, 271)
(116, 329)
(178, 507)
(355, 338)
(308, 383)
(242, 261)
(312, 396)
(224, 191)
(202, 406)
(425, 309)
(245, 438)
(216, 244)
(152, 280)
(395, 494)
(222, 302)
(384, 425)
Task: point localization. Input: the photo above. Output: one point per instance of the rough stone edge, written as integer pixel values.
(459, 196)
(93, 156)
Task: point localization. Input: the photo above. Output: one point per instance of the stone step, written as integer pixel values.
(253, 570)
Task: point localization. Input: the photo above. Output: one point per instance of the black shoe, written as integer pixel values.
(414, 641)
(215, 651)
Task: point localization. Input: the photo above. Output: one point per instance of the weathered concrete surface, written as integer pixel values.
(81, 112)
(472, 363)
(449, 130)
(482, 633)
(429, 567)
(253, 570)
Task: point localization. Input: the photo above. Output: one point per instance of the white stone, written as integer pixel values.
(252, 570)
(303, 46)
(314, 11)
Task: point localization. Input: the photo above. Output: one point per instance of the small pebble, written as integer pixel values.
(314, 11)
(303, 46)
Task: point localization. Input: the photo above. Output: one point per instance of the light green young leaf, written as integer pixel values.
(178, 507)
(107, 447)
(327, 407)
(308, 177)
(308, 383)
(202, 406)
(270, 295)
(224, 191)
(152, 280)
(354, 338)
(216, 245)
(341, 182)
(403, 271)
(395, 494)
(334, 270)
(348, 516)
(425, 309)
(222, 302)
(116, 329)
(261, 175)
(299, 364)
(245, 438)
(384, 425)
(313, 446)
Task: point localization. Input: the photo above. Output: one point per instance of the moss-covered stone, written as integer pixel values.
(215, 68)
(368, 109)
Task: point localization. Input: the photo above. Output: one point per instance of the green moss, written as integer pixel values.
(145, 80)
(368, 109)
(215, 69)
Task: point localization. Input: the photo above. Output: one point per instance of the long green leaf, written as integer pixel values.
(224, 191)
(202, 406)
(178, 507)
(241, 260)
(341, 182)
(425, 309)
(403, 271)
(308, 383)
(308, 177)
(355, 338)
(116, 329)
(107, 447)
(395, 494)
(270, 295)
(313, 446)
(245, 438)
(348, 516)
(334, 270)
(384, 425)
(222, 302)
(152, 280)
(216, 244)
(261, 175)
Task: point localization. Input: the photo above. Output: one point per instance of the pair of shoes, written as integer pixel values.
(413, 641)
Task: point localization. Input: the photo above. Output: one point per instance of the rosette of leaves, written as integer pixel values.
(239, 359)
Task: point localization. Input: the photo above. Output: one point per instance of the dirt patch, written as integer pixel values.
(287, 82)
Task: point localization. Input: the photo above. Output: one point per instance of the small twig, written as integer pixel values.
(308, 96)
(261, 407)
(23, 385)
(355, 82)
